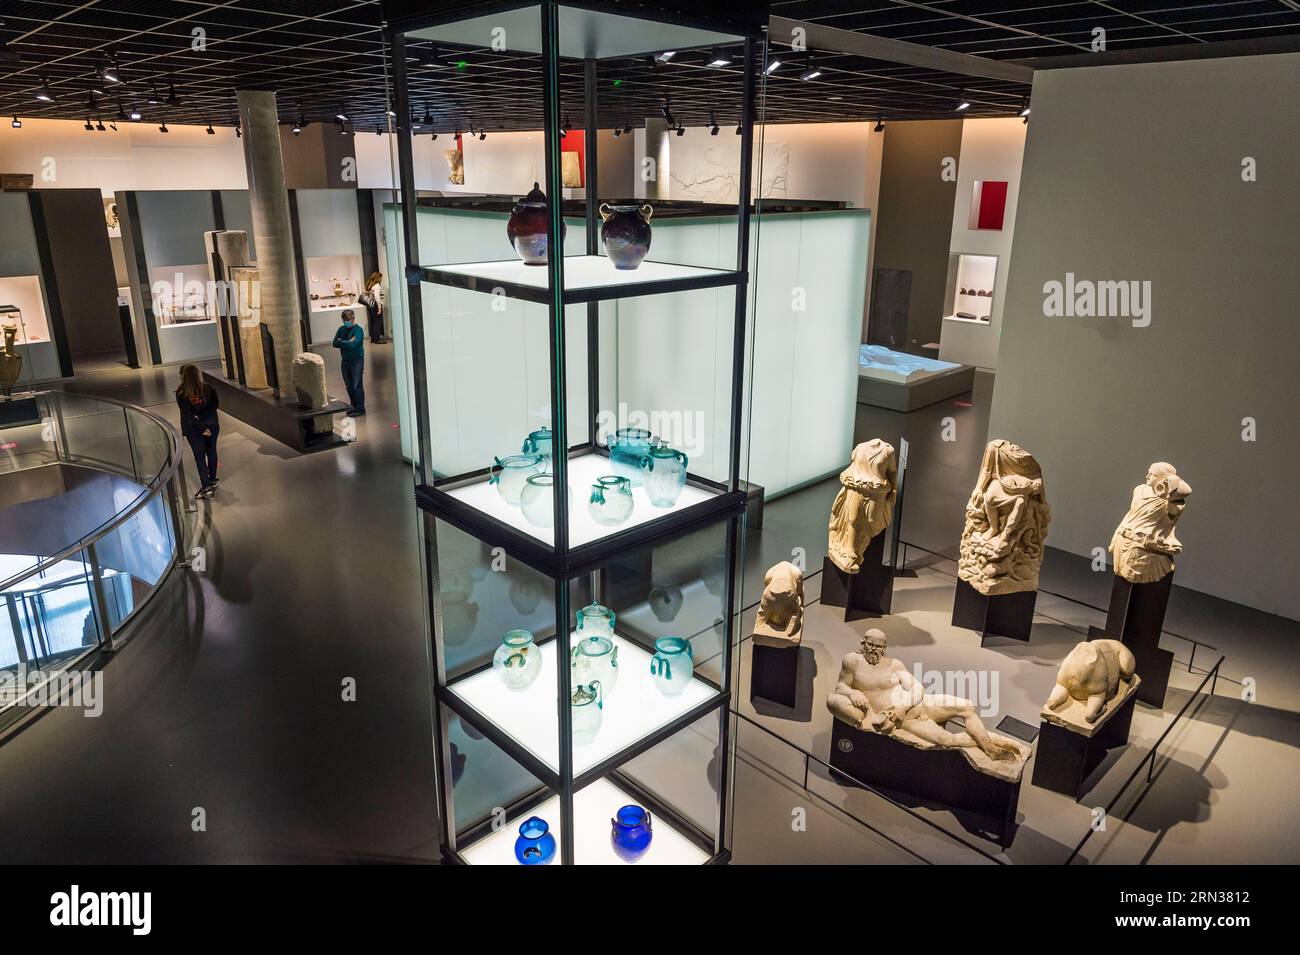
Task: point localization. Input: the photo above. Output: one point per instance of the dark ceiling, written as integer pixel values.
(326, 56)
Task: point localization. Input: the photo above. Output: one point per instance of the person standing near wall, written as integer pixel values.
(351, 343)
(200, 426)
(373, 299)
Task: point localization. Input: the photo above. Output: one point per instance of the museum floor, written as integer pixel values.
(230, 698)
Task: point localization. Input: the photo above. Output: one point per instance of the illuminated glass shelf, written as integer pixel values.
(593, 807)
(587, 278)
(583, 471)
(633, 711)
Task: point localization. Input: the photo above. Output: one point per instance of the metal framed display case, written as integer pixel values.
(528, 356)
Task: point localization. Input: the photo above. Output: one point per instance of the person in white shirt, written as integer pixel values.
(373, 300)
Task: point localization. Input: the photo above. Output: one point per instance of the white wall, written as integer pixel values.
(62, 155)
(990, 149)
(503, 164)
(1135, 173)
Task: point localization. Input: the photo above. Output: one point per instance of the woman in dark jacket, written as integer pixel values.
(199, 425)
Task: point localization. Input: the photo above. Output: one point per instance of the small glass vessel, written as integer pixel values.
(537, 500)
(630, 832)
(539, 442)
(595, 620)
(611, 500)
(513, 472)
(665, 469)
(535, 845)
(518, 660)
(627, 449)
(672, 665)
(586, 705)
(595, 660)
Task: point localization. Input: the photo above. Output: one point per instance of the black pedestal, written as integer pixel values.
(869, 592)
(999, 615)
(774, 675)
(1136, 618)
(1153, 666)
(937, 775)
(1065, 759)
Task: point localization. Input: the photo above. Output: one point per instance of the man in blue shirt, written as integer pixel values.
(350, 341)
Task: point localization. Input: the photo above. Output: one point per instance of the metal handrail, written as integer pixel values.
(152, 489)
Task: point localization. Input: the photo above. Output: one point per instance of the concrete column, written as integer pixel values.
(272, 233)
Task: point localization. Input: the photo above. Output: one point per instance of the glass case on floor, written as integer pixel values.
(581, 524)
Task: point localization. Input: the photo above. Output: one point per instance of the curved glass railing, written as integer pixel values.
(84, 542)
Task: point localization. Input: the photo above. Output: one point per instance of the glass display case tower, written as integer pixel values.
(582, 522)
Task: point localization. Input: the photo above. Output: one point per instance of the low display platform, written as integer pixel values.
(1068, 753)
(902, 382)
(281, 418)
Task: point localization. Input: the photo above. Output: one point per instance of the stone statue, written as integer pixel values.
(1006, 523)
(309, 386)
(780, 610)
(1095, 673)
(865, 504)
(455, 166)
(877, 694)
(11, 363)
(1144, 544)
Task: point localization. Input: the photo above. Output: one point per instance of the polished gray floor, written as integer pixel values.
(232, 699)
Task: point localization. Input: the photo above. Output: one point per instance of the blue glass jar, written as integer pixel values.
(627, 449)
(513, 473)
(595, 620)
(539, 442)
(630, 833)
(672, 665)
(665, 469)
(611, 500)
(535, 845)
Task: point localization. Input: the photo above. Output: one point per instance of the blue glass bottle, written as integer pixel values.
(539, 442)
(535, 845)
(630, 833)
(627, 449)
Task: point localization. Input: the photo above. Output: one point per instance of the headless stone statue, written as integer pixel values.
(865, 504)
(1006, 523)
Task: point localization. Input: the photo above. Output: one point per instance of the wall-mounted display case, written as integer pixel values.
(333, 284)
(972, 281)
(546, 486)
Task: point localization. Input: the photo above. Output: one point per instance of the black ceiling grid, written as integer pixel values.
(328, 56)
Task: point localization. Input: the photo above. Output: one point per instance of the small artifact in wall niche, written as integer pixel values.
(1144, 544)
(527, 227)
(309, 387)
(878, 694)
(11, 363)
(1095, 673)
(780, 610)
(865, 504)
(626, 233)
(455, 166)
(1006, 523)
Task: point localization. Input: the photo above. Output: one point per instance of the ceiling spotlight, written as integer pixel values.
(811, 71)
(962, 102)
(43, 94)
(162, 127)
(428, 117)
(341, 115)
(627, 127)
(665, 56)
(112, 125)
(109, 72)
(89, 127)
(428, 58)
(297, 128)
(880, 124)
(433, 135)
(713, 125)
(172, 98)
(667, 111)
(618, 131)
(564, 127)
(1024, 108)
(482, 134)
(99, 124)
(343, 129)
(773, 66)
(134, 114)
(718, 58)
(681, 130)
(238, 132)
(17, 123)
(211, 131)
(737, 129)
